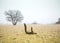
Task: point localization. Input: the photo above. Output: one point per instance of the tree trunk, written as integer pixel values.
(14, 23)
(25, 27)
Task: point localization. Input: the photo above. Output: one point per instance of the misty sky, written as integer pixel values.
(40, 11)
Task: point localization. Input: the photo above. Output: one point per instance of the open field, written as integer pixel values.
(16, 34)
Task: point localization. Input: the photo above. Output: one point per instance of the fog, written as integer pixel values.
(40, 11)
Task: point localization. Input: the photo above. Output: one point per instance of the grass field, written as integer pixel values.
(16, 34)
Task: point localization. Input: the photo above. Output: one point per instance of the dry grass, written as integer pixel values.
(16, 34)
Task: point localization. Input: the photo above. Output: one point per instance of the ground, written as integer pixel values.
(16, 34)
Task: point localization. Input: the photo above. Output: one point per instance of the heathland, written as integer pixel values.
(16, 34)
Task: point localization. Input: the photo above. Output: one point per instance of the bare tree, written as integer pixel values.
(58, 21)
(34, 23)
(14, 16)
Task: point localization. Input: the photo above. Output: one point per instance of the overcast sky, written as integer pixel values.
(40, 11)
